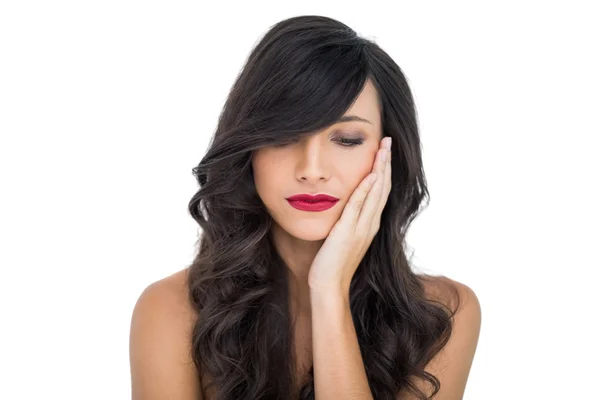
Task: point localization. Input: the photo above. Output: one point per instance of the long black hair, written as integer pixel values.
(299, 79)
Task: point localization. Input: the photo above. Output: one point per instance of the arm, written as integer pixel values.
(338, 365)
(160, 362)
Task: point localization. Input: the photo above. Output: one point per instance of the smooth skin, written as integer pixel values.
(334, 160)
(161, 365)
(338, 364)
(349, 239)
(159, 349)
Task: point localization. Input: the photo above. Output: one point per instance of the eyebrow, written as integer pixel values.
(347, 118)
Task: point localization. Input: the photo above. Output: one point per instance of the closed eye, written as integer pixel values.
(345, 142)
(350, 142)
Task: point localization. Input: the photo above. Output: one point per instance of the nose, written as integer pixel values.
(312, 164)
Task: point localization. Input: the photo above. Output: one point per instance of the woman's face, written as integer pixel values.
(333, 161)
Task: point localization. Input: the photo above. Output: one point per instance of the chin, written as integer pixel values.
(310, 232)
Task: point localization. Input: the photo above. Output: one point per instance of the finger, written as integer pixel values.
(387, 184)
(356, 201)
(369, 214)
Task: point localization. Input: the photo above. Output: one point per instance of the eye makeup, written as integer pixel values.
(350, 142)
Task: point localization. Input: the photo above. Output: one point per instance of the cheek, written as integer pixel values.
(265, 179)
(355, 169)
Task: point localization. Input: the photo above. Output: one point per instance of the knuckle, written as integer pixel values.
(358, 205)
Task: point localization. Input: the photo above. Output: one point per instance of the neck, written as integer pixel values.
(298, 255)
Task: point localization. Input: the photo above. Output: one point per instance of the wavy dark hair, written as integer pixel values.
(299, 79)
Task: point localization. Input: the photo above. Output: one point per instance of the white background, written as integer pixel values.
(106, 106)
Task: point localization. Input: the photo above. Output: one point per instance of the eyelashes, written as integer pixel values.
(344, 142)
(350, 142)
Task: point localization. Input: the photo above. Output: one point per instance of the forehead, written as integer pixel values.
(366, 105)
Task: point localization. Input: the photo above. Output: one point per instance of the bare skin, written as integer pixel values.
(321, 163)
(173, 292)
(318, 163)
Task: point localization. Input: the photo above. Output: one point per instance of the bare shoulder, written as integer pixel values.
(168, 297)
(452, 293)
(160, 342)
(453, 363)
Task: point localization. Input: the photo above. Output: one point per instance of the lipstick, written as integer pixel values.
(308, 202)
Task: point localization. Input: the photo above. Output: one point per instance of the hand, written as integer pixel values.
(349, 239)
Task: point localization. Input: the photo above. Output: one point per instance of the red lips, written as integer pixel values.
(308, 202)
(312, 198)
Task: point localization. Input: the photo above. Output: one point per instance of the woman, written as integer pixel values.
(293, 296)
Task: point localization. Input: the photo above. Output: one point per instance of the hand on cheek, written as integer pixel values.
(348, 241)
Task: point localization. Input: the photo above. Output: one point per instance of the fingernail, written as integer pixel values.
(388, 143)
(384, 155)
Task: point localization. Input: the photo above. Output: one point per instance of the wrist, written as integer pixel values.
(329, 294)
